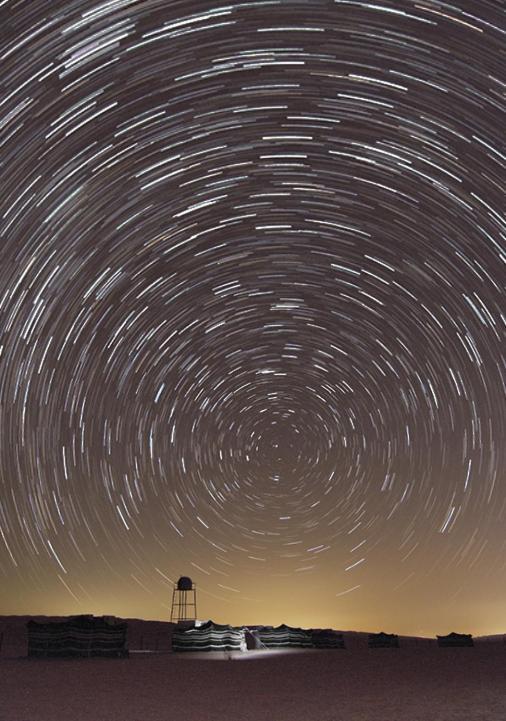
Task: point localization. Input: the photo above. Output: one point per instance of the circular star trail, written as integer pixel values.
(252, 317)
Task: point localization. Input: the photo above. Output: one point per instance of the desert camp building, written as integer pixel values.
(209, 636)
(383, 640)
(284, 637)
(455, 639)
(77, 636)
(327, 638)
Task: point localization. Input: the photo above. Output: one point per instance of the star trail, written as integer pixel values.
(252, 310)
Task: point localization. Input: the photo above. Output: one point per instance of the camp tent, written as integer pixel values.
(209, 636)
(284, 637)
(327, 638)
(383, 640)
(455, 639)
(77, 636)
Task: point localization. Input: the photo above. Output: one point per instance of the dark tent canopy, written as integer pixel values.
(383, 640)
(455, 639)
(327, 638)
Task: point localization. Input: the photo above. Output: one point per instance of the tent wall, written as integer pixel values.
(210, 637)
(285, 637)
(80, 636)
(327, 638)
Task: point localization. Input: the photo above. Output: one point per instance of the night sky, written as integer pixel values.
(252, 310)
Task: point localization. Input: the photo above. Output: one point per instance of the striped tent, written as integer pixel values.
(285, 637)
(77, 636)
(327, 638)
(209, 636)
(383, 640)
(455, 639)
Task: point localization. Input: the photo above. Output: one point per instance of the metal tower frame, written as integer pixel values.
(184, 603)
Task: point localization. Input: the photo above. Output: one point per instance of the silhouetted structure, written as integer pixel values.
(383, 640)
(184, 601)
(455, 639)
(77, 636)
(327, 638)
(184, 584)
(208, 637)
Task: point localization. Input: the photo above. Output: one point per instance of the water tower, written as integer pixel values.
(184, 601)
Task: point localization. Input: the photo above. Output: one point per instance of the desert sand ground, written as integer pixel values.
(417, 682)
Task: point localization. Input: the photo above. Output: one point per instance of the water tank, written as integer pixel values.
(184, 584)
